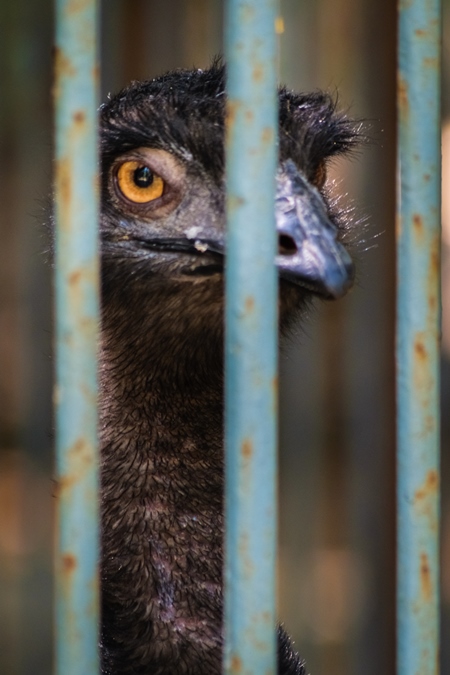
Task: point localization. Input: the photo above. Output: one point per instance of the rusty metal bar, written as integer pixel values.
(418, 303)
(76, 282)
(251, 339)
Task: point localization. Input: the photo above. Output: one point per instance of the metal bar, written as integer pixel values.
(251, 339)
(418, 303)
(76, 337)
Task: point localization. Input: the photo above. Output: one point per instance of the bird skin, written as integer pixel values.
(161, 354)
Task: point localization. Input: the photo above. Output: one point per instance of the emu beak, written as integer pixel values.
(309, 253)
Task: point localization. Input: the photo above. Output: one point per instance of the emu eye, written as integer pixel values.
(138, 183)
(320, 176)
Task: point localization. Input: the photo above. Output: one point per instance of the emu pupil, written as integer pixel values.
(143, 177)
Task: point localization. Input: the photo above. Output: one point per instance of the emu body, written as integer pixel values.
(161, 363)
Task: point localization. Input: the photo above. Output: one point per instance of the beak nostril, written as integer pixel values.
(286, 245)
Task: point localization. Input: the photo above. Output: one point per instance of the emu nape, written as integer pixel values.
(161, 364)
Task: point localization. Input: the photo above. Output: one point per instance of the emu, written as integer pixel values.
(161, 359)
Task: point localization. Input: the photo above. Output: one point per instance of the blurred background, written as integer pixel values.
(337, 436)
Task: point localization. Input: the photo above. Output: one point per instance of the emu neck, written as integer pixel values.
(162, 493)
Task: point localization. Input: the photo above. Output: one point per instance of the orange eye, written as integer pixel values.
(138, 183)
(320, 176)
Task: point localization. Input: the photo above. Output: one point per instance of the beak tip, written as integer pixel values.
(331, 279)
(339, 280)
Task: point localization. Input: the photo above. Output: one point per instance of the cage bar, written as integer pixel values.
(418, 303)
(76, 283)
(251, 339)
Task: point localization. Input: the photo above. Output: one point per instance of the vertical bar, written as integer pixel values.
(251, 339)
(76, 337)
(418, 310)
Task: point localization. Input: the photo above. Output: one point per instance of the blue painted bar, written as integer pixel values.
(251, 339)
(76, 281)
(418, 304)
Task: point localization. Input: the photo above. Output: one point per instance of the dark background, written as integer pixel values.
(337, 457)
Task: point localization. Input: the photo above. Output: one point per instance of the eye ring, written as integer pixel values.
(138, 183)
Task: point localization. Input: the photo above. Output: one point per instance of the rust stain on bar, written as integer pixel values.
(435, 260)
(431, 63)
(232, 107)
(75, 6)
(69, 563)
(64, 185)
(420, 350)
(258, 72)
(433, 277)
(248, 567)
(236, 664)
(249, 304)
(267, 135)
(81, 457)
(403, 97)
(423, 380)
(275, 387)
(75, 278)
(425, 578)
(418, 226)
(79, 117)
(247, 448)
(429, 486)
(63, 65)
(425, 496)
